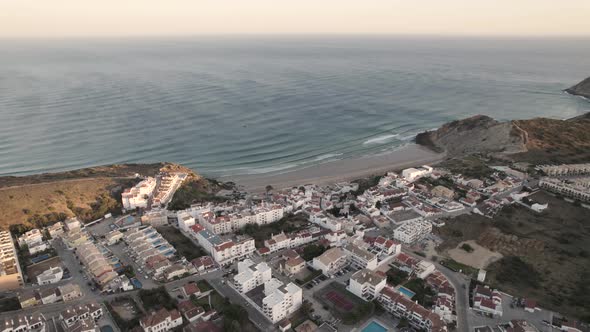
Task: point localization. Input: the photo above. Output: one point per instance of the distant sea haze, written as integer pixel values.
(227, 106)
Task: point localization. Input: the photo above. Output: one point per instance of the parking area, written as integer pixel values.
(510, 312)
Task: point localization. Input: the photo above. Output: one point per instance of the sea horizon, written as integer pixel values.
(265, 103)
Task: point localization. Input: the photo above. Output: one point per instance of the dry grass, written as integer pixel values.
(19, 203)
(479, 258)
(554, 244)
(23, 197)
(556, 141)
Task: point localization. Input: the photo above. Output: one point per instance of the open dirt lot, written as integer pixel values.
(126, 308)
(479, 258)
(546, 255)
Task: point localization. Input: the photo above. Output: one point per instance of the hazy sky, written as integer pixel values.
(59, 18)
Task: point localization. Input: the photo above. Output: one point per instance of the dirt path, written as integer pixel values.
(479, 258)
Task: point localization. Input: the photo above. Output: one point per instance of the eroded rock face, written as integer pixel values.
(581, 89)
(477, 134)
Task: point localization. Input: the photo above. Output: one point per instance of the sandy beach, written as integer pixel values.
(341, 170)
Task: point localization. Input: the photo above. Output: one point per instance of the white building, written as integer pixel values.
(325, 221)
(412, 232)
(487, 301)
(330, 261)
(30, 238)
(251, 275)
(161, 321)
(260, 215)
(38, 247)
(412, 174)
(360, 257)
(20, 322)
(50, 276)
(80, 312)
(185, 220)
(570, 188)
(402, 307)
(139, 195)
(223, 251)
(387, 246)
(366, 284)
(280, 300)
(424, 269)
(10, 273)
(155, 217)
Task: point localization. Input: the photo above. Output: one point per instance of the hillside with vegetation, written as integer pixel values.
(538, 140)
(545, 255)
(89, 193)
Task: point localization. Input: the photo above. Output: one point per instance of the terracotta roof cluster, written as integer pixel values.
(437, 324)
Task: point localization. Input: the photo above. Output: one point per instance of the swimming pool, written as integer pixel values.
(374, 327)
(406, 292)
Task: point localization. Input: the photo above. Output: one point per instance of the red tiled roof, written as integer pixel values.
(264, 250)
(482, 291)
(290, 253)
(191, 288)
(224, 246)
(204, 261)
(487, 303)
(531, 304)
(197, 228)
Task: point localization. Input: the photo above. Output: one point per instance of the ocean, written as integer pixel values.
(246, 105)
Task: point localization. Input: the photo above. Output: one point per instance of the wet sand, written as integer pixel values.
(341, 170)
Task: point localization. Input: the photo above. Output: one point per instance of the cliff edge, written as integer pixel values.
(538, 140)
(580, 89)
(477, 134)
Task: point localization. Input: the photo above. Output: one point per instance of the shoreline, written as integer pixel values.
(338, 171)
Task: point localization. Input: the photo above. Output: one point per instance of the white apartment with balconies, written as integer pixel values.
(413, 231)
(366, 284)
(251, 275)
(139, 195)
(11, 276)
(360, 257)
(280, 300)
(330, 261)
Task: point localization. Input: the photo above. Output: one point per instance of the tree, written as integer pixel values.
(378, 205)
(268, 188)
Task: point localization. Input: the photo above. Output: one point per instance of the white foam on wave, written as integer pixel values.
(327, 156)
(408, 137)
(380, 139)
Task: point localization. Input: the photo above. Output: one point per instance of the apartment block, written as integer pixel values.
(360, 257)
(139, 195)
(280, 300)
(367, 284)
(251, 275)
(412, 232)
(21, 323)
(330, 261)
(161, 320)
(11, 276)
(402, 307)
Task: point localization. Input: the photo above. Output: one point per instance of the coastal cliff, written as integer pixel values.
(87, 193)
(477, 134)
(580, 89)
(538, 140)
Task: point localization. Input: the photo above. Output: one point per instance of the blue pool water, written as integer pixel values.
(374, 327)
(136, 283)
(406, 292)
(39, 258)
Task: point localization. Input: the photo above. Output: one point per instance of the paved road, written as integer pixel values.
(461, 285)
